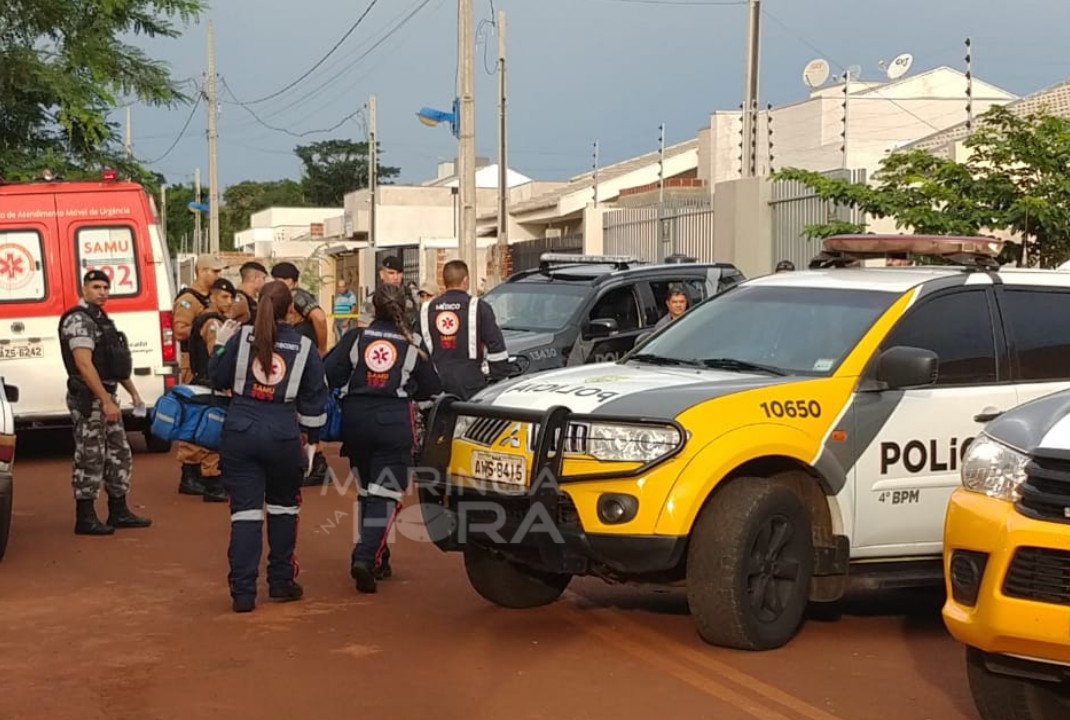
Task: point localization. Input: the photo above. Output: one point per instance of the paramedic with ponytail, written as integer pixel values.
(278, 393)
(381, 370)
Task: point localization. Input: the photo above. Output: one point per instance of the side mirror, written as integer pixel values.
(602, 327)
(906, 367)
(11, 393)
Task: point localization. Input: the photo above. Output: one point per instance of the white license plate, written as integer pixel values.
(19, 352)
(499, 468)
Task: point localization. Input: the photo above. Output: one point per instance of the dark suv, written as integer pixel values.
(577, 309)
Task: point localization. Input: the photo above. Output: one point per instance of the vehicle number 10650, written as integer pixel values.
(792, 409)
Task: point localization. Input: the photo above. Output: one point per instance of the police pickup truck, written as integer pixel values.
(796, 432)
(578, 309)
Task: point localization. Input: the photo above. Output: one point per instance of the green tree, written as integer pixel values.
(333, 168)
(243, 199)
(180, 222)
(64, 66)
(1016, 178)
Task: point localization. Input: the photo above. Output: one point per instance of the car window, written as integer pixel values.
(958, 328)
(110, 249)
(536, 306)
(620, 304)
(22, 276)
(1038, 327)
(694, 287)
(730, 278)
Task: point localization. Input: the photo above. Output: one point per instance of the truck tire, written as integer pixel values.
(6, 501)
(1000, 697)
(509, 585)
(749, 563)
(154, 444)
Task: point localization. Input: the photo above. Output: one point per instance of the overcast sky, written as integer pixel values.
(579, 71)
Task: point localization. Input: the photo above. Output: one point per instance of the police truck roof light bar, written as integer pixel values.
(966, 250)
(619, 261)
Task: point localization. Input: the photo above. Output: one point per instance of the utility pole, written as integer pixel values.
(129, 139)
(595, 176)
(750, 88)
(198, 238)
(367, 263)
(213, 137)
(466, 155)
(663, 226)
(503, 162)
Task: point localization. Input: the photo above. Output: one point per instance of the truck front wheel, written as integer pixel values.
(508, 584)
(749, 564)
(1001, 697)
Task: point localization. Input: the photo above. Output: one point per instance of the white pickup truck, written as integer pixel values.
(8, 395)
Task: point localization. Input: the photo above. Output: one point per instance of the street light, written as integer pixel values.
(431, 117)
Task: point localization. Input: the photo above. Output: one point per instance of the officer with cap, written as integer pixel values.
(97, 359)
(278, 395)
(392, 272)
(381, 370)
(785, 266)
(253, 276)
(460, 332)
(190, 302)
(308, 317)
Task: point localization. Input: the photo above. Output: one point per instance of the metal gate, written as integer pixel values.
(526, 253)
(795, 206)
(640, 232)
(410, 260)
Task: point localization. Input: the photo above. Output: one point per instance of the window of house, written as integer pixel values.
(1038, 327)
(22, 269)
(958, 328)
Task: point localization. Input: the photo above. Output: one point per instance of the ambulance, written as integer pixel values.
(51, 233)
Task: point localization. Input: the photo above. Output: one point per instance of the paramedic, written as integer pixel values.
(381, 370)
(97, 359)
(460, 331)
(190, 302)
(279, 394)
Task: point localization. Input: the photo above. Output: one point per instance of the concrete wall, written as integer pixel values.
(743, 225)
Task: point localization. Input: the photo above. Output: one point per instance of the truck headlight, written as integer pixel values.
(631, 443)
(991, 468)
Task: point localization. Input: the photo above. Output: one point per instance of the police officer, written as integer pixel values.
(460, 332)
(278, 394)
(307, 316)
(190, 302)
(253, 276)
(97, 359)
(381, 370)
(392, 272)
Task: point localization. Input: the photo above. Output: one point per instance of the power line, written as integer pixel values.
(322, 60)
(285, 130)
(181, 133)
(694, 3)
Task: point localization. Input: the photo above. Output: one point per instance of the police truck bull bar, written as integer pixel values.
(570, 549)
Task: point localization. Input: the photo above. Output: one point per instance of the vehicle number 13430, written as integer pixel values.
(792, 409)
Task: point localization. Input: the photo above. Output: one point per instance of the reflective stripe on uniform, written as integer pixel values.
(283, 510)
(247, 516)
(298, 371)
(242, 364)
(377, 490)
(411, 353)
(312, 421)
(473, 331)
(498, 356)
(425, 326)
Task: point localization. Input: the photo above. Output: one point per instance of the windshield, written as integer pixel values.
(543, 306)
(784, 330)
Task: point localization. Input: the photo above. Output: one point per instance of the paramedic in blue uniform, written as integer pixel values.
(460, 332)
(278, 394)
(381, 370)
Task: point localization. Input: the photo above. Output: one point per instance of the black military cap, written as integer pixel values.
(95, 276)
(224, 285)
(393, 262)
(286, 271)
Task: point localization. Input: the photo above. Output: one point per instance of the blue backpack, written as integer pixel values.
(191, 413)
(332, 431)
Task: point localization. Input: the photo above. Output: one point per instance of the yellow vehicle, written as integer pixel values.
(1007, 550)
(794, 433)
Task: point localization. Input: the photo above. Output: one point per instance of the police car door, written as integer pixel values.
(612, 324)
(914, 439)
(1037, 321)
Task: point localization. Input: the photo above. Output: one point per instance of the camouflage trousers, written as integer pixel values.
(101, 453)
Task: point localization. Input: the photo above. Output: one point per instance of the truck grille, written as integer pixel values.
(484, 430)
(1045, 495)
(1039, 574)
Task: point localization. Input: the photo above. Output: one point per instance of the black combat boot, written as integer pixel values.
(286, 592)
(213, 490)
(191, 484)
(87, 522)
(364, 576)
(119, 515)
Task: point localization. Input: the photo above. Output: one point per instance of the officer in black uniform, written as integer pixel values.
(460, 332)
(279, 393)
(307, 316)
(381, 370)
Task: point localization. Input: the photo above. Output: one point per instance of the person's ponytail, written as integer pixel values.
(275, 300)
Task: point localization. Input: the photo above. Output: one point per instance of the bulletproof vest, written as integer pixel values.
(449, 325)
(199, 352)
(111, 351)
(204, 300)
(305, 303)
(279, 383)
(383, 361)
(250, 301)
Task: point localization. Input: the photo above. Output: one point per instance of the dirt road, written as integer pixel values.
(138, 626)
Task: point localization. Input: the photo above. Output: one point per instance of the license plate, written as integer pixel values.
(20, 352)
(499, 468)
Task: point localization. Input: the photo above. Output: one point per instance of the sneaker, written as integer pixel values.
(286, 593)
(244, 603)
(362, 573)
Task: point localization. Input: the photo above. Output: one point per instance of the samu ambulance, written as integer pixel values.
(51, 233)
(797, 431)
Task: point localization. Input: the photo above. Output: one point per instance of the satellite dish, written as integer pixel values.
(816, 73)
(898, 67)
(854, 72)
